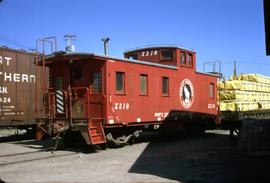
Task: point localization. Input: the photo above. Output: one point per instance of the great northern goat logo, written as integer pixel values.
(186, 93)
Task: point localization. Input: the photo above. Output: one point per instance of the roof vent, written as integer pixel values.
(70, 39)
(106, 45)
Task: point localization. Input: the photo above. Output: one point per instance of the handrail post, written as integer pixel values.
(88, 103)
(53, 44)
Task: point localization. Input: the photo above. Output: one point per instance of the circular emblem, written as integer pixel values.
(78, 107)
(186, 93)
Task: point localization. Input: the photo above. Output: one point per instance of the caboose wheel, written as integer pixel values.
(73, 139)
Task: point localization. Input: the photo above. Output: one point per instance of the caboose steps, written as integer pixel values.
(96, 132)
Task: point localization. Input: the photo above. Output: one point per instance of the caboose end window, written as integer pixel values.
(143, 84)
(165, 86)
(120, 82)
(76, 74)
(96, 82)
(58, 83)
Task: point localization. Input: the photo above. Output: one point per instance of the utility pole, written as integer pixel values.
(234, 70)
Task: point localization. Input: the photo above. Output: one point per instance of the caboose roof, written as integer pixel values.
(160, 46)
(66, 55)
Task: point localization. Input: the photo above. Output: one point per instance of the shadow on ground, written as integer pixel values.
(49, 145)
(209, 158)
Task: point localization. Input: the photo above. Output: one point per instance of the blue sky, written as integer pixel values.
(223, 30)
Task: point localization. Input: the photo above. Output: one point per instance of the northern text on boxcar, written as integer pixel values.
(17, 88)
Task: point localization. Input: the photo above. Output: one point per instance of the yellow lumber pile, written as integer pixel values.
(246, 93)
(255, 78)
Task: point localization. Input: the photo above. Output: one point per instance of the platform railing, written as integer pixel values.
(76, 93)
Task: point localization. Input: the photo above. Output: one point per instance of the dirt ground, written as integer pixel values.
(212, 157)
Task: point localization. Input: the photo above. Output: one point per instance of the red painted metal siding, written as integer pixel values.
(131, 105)
(60, 69)
(154, 105)
(65, 69)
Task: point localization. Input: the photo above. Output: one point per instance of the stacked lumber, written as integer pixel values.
(246, 92)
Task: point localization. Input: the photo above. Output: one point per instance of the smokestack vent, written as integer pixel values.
(106, 45)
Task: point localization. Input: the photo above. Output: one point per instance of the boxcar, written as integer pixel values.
(110, 99)
(17, 88)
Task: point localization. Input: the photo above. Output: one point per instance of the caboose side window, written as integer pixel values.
(166, 55)
(120, 82)
(183, 58)
(211, 90)
(189, 60)
(143, 84)
(97, 82)
(165, 86)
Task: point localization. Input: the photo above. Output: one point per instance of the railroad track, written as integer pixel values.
(43, 156)
(29, 155)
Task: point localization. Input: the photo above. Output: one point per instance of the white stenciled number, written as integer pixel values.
(121, 106)
(5, 100)
(143, 54)
(149, 53)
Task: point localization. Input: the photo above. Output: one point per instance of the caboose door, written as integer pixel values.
(96, 96)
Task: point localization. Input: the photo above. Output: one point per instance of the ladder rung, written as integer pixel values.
(96, 135)
(93, 128)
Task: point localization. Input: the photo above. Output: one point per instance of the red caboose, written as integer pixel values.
(107, 98)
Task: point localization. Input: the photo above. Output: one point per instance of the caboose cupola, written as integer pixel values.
(163, 54)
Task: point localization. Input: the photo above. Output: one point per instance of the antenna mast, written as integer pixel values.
(70, 39)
